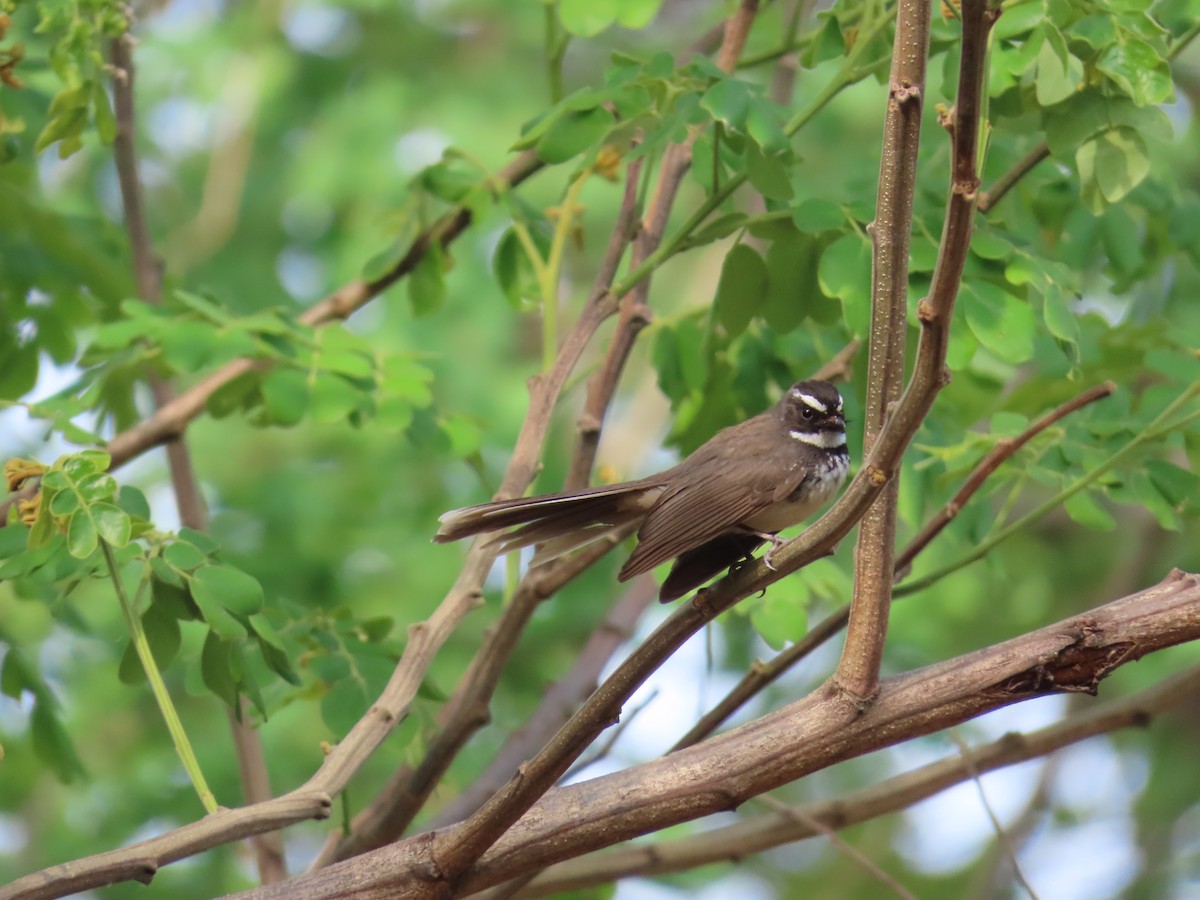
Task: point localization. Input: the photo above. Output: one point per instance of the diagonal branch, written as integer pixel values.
(744, 838)
(1072, 655)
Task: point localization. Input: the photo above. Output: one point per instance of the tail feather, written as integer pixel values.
(555, 512)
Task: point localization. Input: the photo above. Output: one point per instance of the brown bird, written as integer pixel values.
(740, 488)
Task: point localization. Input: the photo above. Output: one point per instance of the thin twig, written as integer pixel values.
(996, 457)
(1002, 836)
(1006, 182)
(801, 816)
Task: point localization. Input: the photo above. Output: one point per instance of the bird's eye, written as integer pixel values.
(807, 412)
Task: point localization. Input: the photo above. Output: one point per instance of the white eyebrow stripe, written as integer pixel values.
(811, 401)
(826, 439)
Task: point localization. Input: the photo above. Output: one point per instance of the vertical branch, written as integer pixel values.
(147, 270)
(858, 671)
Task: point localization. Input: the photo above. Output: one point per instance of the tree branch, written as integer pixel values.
(1006, 182)
(740, 840)
(763, 674)
(1073, 655)
(858, 670)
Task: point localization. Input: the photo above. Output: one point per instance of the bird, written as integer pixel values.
(709, 513)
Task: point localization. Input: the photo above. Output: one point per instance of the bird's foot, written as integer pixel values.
(776, 543)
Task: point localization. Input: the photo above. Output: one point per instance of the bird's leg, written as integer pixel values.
(776, 543)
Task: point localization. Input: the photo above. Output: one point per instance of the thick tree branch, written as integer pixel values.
(858, 671)
(900, 792)
(1073, 655)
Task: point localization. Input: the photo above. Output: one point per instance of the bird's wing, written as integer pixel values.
(701, 506)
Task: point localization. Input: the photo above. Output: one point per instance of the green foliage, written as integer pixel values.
(299, 595)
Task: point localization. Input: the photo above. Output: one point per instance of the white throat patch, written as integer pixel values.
(826, 439)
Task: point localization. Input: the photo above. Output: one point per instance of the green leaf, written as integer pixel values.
(1059, 319)
(637, 14)
(184, 556)
(741, 289)
(764, 124)
(189, 346)
(815, 215)
(1149, 497)
(241, 392)
(82, 538)
(199, 539)
(285, 396)
(573, 133)
(98, 486)
(63, 503)
(727, 101)
(587, 18)
(217, 584)
(216, 615)
(112, 523)
(768, 174)
(1090, 113)
(1083, 508)
(377, 628)
(343, 705)
(1058, 72)
(464, 434)
(1139, 70)
(720, 227)
(845, 273)
(52, 744)
(134, 502)
(792, 288)
(1177, 485)
(1110, 166)
(215, 668)
(333, 399)
(1001, 322)
(427, 284)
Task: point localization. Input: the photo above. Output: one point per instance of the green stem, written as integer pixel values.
(556, 48)
(183, 746)
(548, 277)
(1156, 429)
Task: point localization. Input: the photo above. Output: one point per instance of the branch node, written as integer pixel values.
(925, 312)
(906, 92)
(946, 117)
(877, 476)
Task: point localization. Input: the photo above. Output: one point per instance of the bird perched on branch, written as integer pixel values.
(740, 488)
